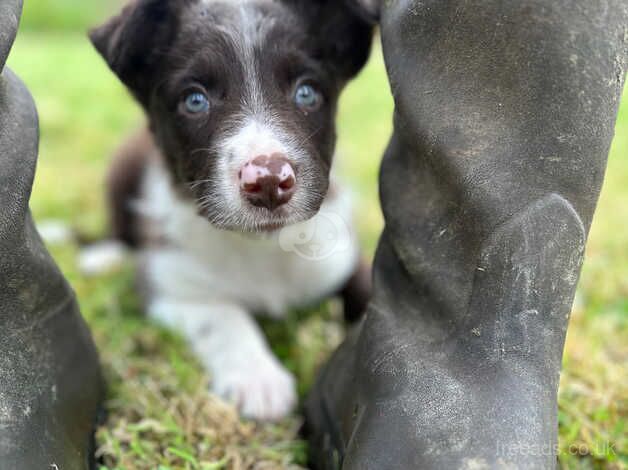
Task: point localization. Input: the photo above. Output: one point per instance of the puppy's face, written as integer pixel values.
(241, 96)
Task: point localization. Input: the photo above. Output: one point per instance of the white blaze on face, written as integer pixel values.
(251, 140)
(256, 129)
(247, 31)
(258, 132)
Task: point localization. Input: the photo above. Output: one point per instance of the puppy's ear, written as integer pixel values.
(133, 42)
(345, 32)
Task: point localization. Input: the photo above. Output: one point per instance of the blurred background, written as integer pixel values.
(160, 414)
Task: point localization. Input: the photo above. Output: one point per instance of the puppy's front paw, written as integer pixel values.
(259, 386)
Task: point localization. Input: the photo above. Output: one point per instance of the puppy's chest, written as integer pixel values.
(292, 267)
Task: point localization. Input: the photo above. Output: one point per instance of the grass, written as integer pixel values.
(160, 413)
(66, 15)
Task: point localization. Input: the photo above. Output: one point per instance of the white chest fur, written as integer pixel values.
(267, 273)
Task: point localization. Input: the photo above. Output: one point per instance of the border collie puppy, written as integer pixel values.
(227, 195)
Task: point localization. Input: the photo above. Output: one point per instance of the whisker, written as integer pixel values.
(310, 136)
(200, 150)
(196, 184)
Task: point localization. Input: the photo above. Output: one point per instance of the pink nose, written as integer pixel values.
(268, 181)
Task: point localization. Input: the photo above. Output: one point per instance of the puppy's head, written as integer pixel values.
(241, 96)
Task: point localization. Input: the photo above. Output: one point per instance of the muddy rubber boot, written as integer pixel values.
(50, 382)
(505, 111)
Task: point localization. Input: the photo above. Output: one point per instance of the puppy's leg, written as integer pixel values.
(231, 346)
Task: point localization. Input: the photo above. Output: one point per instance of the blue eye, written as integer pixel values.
(307, 98)
(196, 103)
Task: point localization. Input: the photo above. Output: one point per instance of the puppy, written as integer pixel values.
(227, 196)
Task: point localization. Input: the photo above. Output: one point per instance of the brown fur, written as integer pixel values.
(164, 50)
(124, 184)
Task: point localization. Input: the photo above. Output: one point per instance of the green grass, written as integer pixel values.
(66, 15)
(160, 414)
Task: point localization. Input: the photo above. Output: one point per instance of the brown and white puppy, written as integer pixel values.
(227, 197)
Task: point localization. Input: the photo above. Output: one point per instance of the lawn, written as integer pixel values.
(160, 413)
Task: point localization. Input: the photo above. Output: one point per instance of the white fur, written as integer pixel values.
(205, 279)
(55, 232)
(228, 342)
(102, 257)
(253, 139)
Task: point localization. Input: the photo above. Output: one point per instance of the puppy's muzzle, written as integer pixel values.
(268, 181)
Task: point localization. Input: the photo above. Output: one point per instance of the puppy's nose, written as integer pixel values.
(268, 181)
